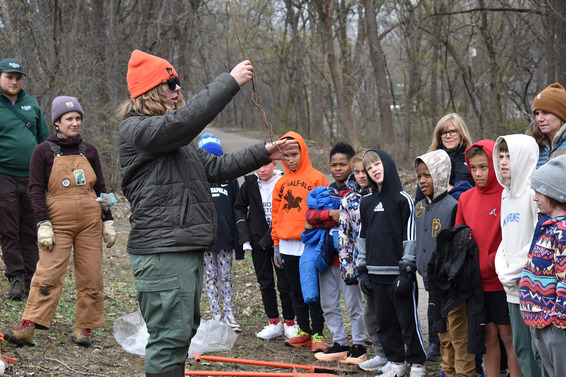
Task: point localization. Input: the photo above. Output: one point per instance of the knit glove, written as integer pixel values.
(277, 257)
(404, 283)
(365, 283)
(45, 236)
(108, 233)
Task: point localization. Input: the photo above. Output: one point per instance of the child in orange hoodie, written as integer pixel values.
(288, 222)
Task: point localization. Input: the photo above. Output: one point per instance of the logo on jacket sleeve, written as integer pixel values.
(292, 202)
(378, 207)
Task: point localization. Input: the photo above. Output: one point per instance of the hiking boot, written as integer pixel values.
(376, 363)
(335, 353)
(17, 288)
(290, 329)
(301, 339)
(81, 337)
(271, 331)
(394, 370)
(356, 355)
(418, 370)
(433, 351)
(318, 343)
(231, 321)
(23, 335)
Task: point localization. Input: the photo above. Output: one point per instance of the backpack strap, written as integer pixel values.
(27, 123)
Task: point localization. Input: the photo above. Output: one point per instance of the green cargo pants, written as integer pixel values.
(168, 288)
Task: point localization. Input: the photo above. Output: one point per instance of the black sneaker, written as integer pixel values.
(17, 288)
(335, 353)
(356, 355)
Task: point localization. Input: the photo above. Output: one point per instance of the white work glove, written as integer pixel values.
(246, 246)
(108, 233)
(45, 236)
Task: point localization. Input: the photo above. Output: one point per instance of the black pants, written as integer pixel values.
(302, 310)
(398, 324)
(263, 265)
(18, 230)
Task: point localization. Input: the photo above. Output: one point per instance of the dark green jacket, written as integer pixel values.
(16, 141)
(165, 176)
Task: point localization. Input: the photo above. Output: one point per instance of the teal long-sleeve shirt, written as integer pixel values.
(16, 141)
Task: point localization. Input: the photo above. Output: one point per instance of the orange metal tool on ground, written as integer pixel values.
(254, 374)
(5, 359)
(310, 367)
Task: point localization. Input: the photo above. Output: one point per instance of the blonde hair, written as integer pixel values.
(458, 122)
(151, 103)
(370, 157)
(359, 156)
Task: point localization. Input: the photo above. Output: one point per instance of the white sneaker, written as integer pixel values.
(376, 363)
(418, 370)
(271, 331)
(290, 330)
(231, 321)
(394, 369)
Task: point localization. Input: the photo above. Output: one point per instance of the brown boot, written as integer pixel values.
(80, 337)
(17, 288)
(23, 335)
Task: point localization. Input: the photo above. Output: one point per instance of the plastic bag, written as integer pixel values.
(131, 333)
(212, 336)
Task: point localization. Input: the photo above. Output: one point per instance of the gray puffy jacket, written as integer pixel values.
(165, 175)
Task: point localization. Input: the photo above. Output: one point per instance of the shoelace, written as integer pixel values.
(25, 324)
(316, 338)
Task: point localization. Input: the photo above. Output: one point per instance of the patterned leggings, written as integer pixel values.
(218, 267)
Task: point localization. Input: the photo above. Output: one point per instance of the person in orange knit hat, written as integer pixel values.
(165, 177)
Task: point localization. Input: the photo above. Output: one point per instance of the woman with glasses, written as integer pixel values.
(165, 177)
(452, 135)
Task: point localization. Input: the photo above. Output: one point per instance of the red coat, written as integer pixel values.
(480, 209)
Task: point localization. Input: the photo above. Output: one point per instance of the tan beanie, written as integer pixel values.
(146, 71)
(552, 100)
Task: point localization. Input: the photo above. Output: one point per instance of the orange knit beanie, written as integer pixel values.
(552, 100)
(146, 71)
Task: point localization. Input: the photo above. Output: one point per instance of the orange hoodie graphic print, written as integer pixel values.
(290, 195)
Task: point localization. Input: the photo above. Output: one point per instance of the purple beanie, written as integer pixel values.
(62, 105)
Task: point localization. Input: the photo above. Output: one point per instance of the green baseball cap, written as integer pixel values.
(11, 65)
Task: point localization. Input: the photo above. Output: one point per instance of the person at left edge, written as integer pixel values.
(65, 180)
(165, 176)
(22, 127)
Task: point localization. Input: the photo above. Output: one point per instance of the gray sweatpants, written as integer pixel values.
(551, 344)
(331, 286)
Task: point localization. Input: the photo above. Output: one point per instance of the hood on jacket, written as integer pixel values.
(305, 161)
(391, 181)
(523, 154)
(439, 165)
(492, 184)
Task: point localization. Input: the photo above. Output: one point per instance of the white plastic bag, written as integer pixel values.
(131, 333)
(212, 336)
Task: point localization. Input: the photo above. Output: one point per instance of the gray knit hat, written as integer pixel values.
(62, 105)
(550, 179)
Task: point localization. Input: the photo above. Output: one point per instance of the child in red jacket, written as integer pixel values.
(479, 208)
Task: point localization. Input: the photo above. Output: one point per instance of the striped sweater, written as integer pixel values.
(542, 292)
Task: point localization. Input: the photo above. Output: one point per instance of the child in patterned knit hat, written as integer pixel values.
(542, 291)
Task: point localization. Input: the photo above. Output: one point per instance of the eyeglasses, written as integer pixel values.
(172, 83)
(450, 132)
